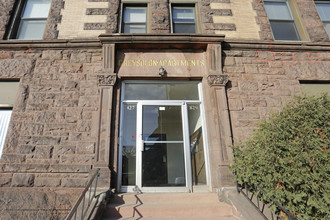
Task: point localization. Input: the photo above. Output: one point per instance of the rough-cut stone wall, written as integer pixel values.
(6, 8)
(52, 136)
(160, 16)
(264, 81)
(54, 18)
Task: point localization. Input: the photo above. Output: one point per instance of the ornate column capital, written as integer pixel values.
(106, 80)
(217, 80)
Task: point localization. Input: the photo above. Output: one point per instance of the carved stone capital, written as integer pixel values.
(106, 80)
(217, 80)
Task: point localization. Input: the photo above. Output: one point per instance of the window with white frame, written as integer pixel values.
(134, 19)
(323, 7)
(8, 91)
(281, 19)
(29, 20)
(183, 19)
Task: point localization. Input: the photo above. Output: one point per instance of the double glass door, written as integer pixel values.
(162, 146)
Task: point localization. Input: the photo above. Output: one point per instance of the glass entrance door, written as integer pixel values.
(162, 146)
(161, 138)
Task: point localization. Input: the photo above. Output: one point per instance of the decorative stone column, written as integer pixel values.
(221, 128)
(218, 87)
(106, 82)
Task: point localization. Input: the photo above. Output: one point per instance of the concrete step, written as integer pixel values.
(175, 218)
(165, 198)
(168, 206)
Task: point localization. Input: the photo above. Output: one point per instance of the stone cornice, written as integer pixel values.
(165, 41)
(49, 44)
(161, 41)
(276, 45)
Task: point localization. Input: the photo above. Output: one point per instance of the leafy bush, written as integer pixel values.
(288, 156)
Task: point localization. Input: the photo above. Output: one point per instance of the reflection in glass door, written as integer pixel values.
(161, 137)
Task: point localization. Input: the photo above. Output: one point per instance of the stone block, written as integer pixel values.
(59, 150)
(229, 61)
(266, 55)
(301, 56)
(246, 114)
(26, 168)
(52, 54)
(79, 57)
(45, 140)
(248, 86)
(86, 148)
(245, 123)
(66, 103)
(235, 104)
(44, 152)
(88, 101)
(5, 181)
(71, 86)
(32, 129)
(324, 56)
(283, 55)
(77, 159)
(233, 69)
(77, 182)
(47, 182)
(255, 103)
(68, 168)
(22, 180)
(14, 68)
(282, 92)
(13, 158)
(84, 126)
(251, 68)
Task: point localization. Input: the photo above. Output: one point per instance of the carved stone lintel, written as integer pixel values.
(106, 80)
(217, 80)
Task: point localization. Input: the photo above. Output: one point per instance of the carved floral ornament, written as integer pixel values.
(217, 80)
(106, 80)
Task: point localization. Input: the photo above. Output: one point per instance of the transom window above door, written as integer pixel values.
(161, 91)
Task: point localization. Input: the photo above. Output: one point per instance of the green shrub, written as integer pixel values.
(288, 156)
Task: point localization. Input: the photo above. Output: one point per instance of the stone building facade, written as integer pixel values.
(70, 112)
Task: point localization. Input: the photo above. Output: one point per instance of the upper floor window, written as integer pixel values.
(134, 19)
(281, 20)
(8, 92)
(30, 20)
(183, 19)
(324, 11)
